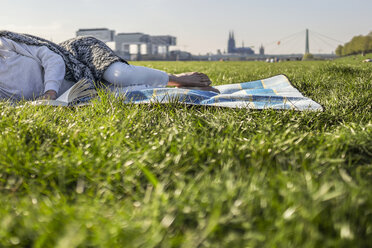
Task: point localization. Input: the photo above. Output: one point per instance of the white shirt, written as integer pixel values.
(27, 72)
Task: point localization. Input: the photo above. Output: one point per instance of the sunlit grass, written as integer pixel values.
(115, 175)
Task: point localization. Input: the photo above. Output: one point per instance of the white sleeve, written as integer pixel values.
(53, 64)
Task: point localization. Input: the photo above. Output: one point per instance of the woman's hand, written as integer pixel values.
(49, 95)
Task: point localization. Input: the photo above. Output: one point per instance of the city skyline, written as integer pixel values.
(200, 26)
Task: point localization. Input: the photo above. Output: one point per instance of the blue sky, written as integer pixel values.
(200, 26)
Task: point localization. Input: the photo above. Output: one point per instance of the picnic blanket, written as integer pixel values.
(270, 93)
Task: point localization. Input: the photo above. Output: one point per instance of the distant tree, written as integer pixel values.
(339, 50)
(308, 56)
(369, 45)
(358, 44)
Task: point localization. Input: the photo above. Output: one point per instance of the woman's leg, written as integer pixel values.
(124, 75)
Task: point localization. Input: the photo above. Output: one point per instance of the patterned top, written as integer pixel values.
(85, 57)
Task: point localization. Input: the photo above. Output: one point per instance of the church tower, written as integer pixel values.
(231, 43)
(262, 50)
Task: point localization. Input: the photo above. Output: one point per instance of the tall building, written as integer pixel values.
(146, 44)
(232, 49)
(262, 50)
(103, 34)
(231, 43)
(134, 45)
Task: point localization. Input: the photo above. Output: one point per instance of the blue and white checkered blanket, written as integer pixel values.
(271, 93)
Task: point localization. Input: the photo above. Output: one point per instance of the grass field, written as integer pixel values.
(114, 175)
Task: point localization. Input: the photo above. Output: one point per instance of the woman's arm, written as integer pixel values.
(52, 63)
(54, 70)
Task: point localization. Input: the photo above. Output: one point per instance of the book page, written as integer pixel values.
(49, 103)
(79, 94)
(64, 97)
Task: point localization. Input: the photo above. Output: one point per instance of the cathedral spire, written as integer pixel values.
(232, 49)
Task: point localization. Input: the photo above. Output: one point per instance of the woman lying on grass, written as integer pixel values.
(31, 67)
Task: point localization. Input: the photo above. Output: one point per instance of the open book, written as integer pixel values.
(79, 94)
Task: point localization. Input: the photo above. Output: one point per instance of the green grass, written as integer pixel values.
(114, 175)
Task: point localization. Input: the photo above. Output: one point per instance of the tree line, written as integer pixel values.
(358, 44)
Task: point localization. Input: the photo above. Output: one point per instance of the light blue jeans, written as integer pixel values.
(124, 75)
